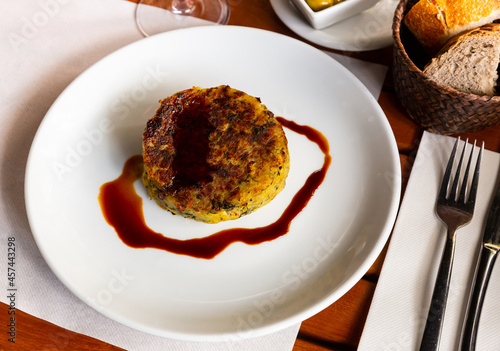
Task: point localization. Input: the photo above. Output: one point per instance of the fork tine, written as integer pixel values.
(464, 187)
(475, 179)
(446, 178)
(453, 192)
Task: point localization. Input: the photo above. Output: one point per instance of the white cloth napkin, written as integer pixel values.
(399, 309)
(44, 45)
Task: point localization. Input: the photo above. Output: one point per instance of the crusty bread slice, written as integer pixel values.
(469, 62)
(433, 22)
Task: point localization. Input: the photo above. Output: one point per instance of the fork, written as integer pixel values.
(455, 213)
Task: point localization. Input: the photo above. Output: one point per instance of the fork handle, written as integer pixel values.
(435, 317)
(483, 273)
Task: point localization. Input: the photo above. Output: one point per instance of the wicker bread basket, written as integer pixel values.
(435, 107)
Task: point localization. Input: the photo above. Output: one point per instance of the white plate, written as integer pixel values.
(368, 30)
(96, 125)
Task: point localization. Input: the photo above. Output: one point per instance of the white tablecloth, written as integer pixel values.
(44, 45)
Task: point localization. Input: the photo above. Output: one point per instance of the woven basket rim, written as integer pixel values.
(398, 18)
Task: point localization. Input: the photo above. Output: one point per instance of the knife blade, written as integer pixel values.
(489, 250)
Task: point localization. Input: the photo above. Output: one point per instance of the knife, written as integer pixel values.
(489, 249)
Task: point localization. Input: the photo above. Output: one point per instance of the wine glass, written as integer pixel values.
(156, 16)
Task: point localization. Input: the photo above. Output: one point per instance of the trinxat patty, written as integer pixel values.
(214, 154)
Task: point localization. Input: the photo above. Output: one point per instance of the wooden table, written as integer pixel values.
(339, 326)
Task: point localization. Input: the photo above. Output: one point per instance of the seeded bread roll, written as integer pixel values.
(433, 22)
(469, 62)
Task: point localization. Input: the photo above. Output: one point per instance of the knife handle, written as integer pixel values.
(483, 273)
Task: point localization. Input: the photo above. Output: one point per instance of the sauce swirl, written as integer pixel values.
(122, 209)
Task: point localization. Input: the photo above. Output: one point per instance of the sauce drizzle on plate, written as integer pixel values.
(122, 209)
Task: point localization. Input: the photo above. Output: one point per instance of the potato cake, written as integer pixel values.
(214, 154)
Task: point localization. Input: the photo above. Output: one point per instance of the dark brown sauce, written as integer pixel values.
(122, 209)
(191, 143)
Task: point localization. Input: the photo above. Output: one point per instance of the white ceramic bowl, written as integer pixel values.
(336, 13)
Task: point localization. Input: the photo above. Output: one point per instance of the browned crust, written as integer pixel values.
(238, 159)
(490, 29)
(426, 22)
(462, 12)
(433, 22)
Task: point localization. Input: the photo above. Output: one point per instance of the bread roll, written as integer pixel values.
(469, 62)
(433, 22)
